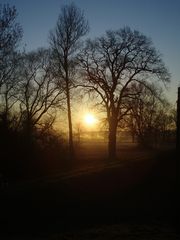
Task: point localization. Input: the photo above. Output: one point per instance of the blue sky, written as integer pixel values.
(157, 19)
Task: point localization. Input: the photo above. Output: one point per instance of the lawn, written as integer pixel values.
(133, 197)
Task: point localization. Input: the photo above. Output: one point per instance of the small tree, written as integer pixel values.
(65, 41)
(38, 92)
(149, 118)
(111, 64)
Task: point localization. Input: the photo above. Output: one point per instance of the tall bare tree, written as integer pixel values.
(65, 42)
(111, 64)
(10, 37)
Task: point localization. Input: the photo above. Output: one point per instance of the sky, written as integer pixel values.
(157, 19)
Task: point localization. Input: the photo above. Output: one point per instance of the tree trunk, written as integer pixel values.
(71, 144)
(68, 97)
(112, 139)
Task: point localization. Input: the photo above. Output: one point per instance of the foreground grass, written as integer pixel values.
(132, 198)
(131, 231)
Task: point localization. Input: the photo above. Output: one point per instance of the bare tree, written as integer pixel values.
(111, 64)
(10, 36)
(38, 92)
(150, 116)
(65, 41)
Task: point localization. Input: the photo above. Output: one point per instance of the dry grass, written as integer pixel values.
(98, 200)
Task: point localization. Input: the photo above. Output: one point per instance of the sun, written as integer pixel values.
(90, 119)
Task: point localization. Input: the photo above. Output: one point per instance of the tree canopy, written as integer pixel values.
(112, 64)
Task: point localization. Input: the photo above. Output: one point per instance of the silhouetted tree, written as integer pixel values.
(150, 118)
(38, 93)
(10, 37)
(65, 42)
(111, 64)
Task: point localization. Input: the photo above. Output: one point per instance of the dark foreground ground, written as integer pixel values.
(132, 198)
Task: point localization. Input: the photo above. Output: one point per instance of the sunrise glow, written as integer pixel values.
(90, 119)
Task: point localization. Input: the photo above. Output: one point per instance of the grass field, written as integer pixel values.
(133, 197)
